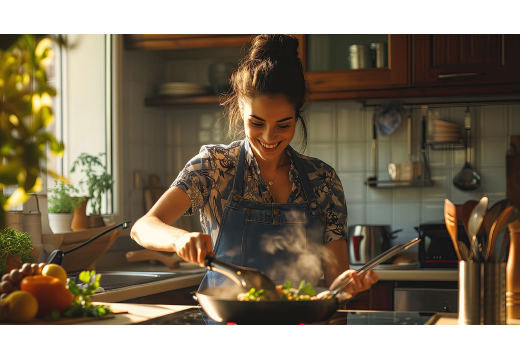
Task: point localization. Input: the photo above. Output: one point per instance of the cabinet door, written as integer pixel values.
(355, 62)
(440, 60)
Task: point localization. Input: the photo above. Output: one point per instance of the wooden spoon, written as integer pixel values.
(494, 212)
(450, 217)
(499, 223)
(467, 208)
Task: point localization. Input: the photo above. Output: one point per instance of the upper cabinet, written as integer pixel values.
(182, 41)
(355, 62)
(443, 60)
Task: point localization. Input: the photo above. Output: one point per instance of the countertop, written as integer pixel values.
(194, 274)
(140, 312)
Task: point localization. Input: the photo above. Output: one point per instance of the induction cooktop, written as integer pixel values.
(194, 316)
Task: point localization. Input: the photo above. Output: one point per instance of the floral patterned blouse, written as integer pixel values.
(208, 180)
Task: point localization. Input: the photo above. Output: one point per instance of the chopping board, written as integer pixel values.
(65, 321)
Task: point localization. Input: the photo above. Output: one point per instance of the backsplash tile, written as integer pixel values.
(340, 133)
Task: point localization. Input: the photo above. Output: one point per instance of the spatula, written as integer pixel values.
(450, 217)
(493, 213)
(475, 221)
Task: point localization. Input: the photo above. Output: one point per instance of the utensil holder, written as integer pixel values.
(482, 293)
(513, 273)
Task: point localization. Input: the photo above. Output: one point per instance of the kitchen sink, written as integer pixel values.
(111, 280)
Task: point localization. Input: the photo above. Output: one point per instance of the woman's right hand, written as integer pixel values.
(193, 247)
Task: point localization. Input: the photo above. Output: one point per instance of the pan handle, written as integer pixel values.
(229, 270)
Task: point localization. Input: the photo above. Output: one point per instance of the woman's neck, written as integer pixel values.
(271, 166)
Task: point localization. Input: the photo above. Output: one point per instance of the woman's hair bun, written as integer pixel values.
(282, 48)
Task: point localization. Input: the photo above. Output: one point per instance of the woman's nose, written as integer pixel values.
(270, 133)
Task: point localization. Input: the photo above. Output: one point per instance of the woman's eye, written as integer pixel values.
(256, 124)
(283, 126)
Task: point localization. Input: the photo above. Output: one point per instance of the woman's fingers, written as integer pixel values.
(360, 282)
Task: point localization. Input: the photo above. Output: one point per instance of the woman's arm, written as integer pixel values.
(153, 231)
(336, 268)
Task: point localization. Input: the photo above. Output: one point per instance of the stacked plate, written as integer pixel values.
(446, 131)
(181, 89)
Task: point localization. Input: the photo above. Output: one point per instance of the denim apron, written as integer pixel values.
(281, 240)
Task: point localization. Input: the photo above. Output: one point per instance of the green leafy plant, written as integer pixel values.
(61, 198)
(98, 180)
(82, 306)
(25, 113)
(18, 245)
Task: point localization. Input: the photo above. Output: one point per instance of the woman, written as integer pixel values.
(262, 205)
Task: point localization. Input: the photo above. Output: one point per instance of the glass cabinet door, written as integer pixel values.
(346, 52)
(342, 62)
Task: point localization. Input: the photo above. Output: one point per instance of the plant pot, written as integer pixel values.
(12, 262)
(96, 221)
(80, 220)
(60, 223)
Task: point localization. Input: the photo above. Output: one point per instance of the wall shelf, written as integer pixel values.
(167, 101)
(392, 184)
(446, 145)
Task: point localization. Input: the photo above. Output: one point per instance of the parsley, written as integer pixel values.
(82, 306)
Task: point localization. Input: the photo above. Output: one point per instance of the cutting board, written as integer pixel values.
(67, 321)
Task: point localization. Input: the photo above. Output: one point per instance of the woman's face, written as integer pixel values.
(269, 123)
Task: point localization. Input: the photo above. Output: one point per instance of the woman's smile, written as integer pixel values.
(269, 147)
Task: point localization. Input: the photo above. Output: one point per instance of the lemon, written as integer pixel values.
(21, 305)
(56, 271)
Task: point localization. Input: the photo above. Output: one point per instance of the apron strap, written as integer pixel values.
(300, 166)
(239, 170)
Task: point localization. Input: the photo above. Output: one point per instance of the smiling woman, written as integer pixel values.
(262, 204)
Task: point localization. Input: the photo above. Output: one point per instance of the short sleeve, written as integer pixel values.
(196, 180)
(335, 208)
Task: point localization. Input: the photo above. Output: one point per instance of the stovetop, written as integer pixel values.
(194, 316)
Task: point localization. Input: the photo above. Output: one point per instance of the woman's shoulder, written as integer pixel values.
(221, 149)
(313, 164)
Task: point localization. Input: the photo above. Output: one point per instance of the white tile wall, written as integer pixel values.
(339, 133)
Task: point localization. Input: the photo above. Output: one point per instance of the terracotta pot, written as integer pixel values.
(96, 221)
(12, 262)
(80, 220)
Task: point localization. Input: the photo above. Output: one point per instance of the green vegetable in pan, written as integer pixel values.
(304, 292)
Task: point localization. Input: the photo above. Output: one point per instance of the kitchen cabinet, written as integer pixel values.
(378, 297)
(446, 60)
(182, 41)
(327, 62)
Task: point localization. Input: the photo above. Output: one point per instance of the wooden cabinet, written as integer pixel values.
(447, 60)
(182, 41)
(379, 297)
(393, 74)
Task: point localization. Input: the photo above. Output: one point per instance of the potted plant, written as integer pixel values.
(25, 113)
(98, 182)
(61, 205)
(15, 249)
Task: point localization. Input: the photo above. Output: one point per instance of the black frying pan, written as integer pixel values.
(221, 303)
(226, 308)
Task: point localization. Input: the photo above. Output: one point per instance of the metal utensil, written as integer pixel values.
(515, 215)
(450, 218)
(499, 223)
(466, 210)
(493, 213)
(463, 250)
(475, 221)
(369, 266)
(246, 277)
(468, 178)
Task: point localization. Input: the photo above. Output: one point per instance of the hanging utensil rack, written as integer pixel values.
(459, 145)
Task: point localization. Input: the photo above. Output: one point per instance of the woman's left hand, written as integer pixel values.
(359, 282)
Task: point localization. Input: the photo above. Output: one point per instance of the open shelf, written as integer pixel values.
(390, 184)
(446, 145)
(165, 101)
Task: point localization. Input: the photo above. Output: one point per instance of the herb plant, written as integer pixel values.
(17, 244)
(82, 306)
(98, 180)
(61, 199)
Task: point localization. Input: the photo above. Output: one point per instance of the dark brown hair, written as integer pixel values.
(271, 67)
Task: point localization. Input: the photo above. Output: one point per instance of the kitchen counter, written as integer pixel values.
(415, 274)
(139, 313)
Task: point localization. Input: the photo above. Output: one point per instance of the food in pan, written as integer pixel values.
(304, 292)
